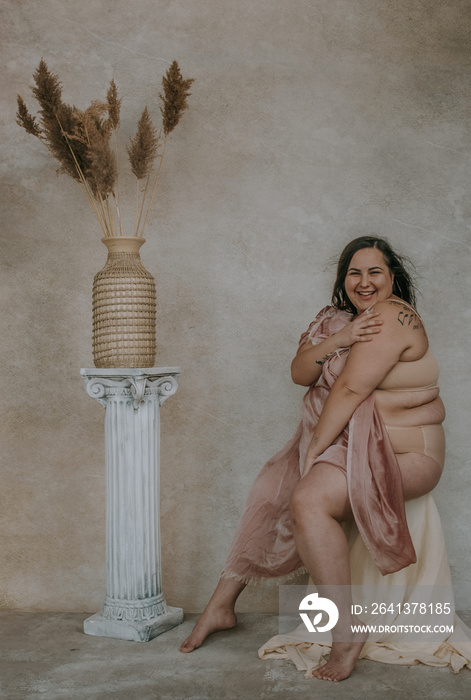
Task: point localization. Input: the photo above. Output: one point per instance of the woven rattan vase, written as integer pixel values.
(124, 305)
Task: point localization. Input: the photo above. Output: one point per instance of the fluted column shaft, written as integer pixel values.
(134, 607)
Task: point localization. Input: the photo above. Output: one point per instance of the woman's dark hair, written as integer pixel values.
(403, 285)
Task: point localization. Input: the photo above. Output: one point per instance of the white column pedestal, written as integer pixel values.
(134, 608)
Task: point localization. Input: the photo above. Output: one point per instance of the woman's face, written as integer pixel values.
(368, 279)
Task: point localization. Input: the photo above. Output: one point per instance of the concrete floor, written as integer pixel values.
(47, 656)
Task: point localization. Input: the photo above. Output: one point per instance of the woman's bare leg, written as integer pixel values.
(318, 505)
(218, 615)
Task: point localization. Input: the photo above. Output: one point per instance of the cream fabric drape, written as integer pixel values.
(431, 569)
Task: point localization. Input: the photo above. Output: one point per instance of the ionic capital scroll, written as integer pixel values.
(105, 384)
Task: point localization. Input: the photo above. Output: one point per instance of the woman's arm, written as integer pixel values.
(366, 367)
(306, 367)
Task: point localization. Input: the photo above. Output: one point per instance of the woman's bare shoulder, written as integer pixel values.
(403, 325)
(396, 310)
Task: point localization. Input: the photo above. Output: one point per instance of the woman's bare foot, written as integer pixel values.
(212, 620)
(341, 661)
(344, 654)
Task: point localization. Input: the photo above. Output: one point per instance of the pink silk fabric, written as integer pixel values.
(263, 546)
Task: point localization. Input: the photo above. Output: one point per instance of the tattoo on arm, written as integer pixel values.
(321, 362)
(406, 318)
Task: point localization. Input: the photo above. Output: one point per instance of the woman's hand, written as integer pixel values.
(307, 365)
(311, 456)
(362, 329)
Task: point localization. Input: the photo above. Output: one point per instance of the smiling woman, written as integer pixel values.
(368, 279)
(389, 262)
(369, 440)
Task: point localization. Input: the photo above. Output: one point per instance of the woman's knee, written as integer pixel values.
(323, 492)
(307, 502)
(297, 501)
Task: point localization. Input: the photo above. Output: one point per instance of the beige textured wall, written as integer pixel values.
(310, 122)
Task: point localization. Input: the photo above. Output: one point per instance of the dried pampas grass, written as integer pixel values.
(176, 91)
(85, 142)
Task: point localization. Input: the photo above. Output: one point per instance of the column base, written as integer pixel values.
(99, 626)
